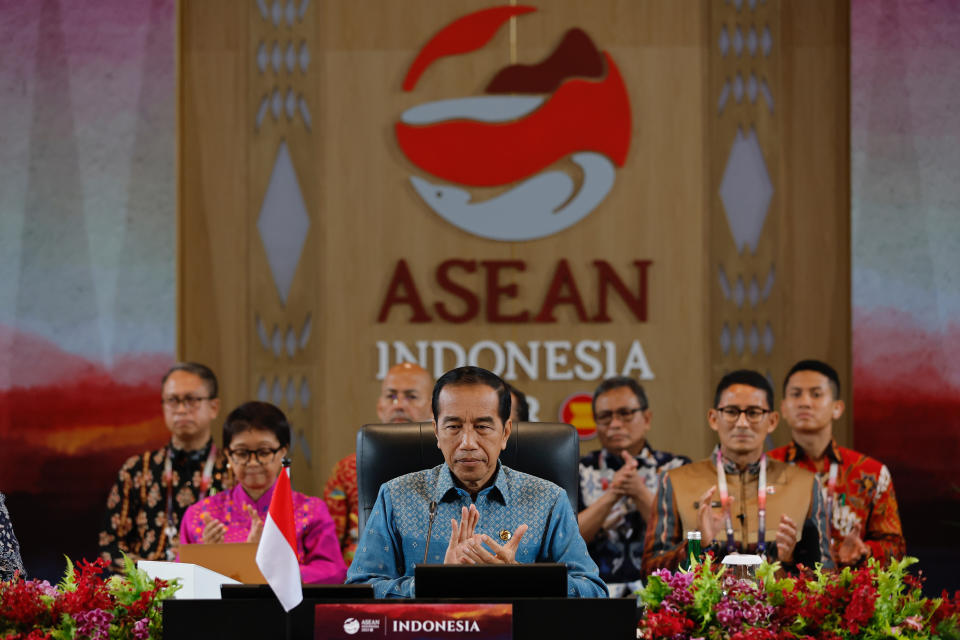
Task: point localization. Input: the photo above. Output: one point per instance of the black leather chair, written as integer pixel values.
(384, 451)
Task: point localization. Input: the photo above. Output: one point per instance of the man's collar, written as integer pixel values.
(195, 455)
(447, 487)
(645, 457)
(731, 467)
(795, 452)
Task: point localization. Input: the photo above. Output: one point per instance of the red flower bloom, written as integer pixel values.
(754, 633)
(667, 624)
(20, 604)
(860, 609)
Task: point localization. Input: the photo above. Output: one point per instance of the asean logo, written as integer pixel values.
(529, 121)
(577, 410)
(351, 625)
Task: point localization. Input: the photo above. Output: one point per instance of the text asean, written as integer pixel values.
(503, 286)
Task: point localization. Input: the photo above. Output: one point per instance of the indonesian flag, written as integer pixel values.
(277, 552)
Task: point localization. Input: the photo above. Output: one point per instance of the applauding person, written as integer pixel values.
(739, 500)
(484, 512)
(618, 483)
(858, 490)
(256, 437)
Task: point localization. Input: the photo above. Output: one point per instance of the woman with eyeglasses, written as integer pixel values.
(256, 437)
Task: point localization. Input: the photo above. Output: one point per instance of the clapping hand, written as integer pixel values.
(214, 531)
(852, 549)
(467, 547)
(256, 524)
(786, 538)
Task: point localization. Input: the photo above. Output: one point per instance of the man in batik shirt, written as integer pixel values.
(404, 397)
(154, 489)
(864, 519)
(618, 483)
(721, 496)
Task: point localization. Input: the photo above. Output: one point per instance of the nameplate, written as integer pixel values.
(413, 620)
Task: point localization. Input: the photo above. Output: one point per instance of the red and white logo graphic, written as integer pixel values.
(529, 118)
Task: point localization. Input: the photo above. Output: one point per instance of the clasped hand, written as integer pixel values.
(467, 547)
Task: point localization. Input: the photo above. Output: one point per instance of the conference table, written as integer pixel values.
(533, 618)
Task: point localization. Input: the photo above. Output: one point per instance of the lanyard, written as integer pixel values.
(831, 495)
(761, 504)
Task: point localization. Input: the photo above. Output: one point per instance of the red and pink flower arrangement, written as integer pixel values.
(869, 602)
(84, 606)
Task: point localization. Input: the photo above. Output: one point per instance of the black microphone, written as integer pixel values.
(740, 517)
(433, 513)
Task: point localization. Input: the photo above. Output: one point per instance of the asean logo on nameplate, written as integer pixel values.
(578, 411)
(531, 118)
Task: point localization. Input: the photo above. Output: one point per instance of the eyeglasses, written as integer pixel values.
(190, 402)
(606, 417)
(242, 456)
(732, 414)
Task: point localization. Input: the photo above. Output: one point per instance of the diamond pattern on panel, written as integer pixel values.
(724, 282)
(262, 333)
(304, 393)
(276, 342)
(768, 285)
(305, 332)
(277, 394)
(744, 82)
(283, 222)
(752, 41)
(279, 55)
(291, 393)
(291, 342)
(746, 190)
(767, 94)
(724, 96)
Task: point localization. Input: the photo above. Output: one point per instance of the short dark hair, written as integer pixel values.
(748, 377)
(202, 371)
(615, 383)
(523, 407)
(473, 375)
(819, 367)
(256, 416)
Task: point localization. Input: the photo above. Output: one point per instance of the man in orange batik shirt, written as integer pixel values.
(858, 490)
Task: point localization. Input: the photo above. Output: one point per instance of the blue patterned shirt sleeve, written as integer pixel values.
(379, 557)
(563, 543)
(394, 539)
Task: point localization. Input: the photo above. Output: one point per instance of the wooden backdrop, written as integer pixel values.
(712, 305)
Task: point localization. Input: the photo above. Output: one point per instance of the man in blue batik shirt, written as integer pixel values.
(486, 513)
